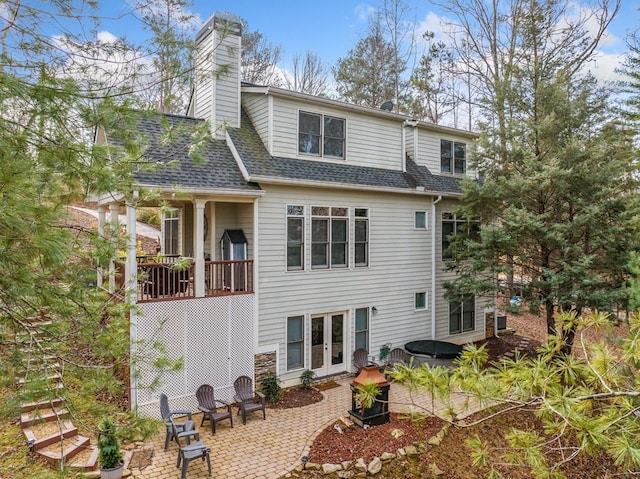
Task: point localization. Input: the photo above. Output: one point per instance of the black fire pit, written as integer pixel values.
(378, 413)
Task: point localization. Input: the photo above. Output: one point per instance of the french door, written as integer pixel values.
(328, 333)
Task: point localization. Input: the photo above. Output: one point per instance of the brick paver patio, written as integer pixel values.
(267, 449)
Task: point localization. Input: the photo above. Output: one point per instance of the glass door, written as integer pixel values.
(328, 344)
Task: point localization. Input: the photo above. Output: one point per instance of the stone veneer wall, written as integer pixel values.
(265, 365)
(489, 319)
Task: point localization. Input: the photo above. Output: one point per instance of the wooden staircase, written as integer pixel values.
(44, 418)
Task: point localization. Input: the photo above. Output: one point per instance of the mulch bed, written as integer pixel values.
(339, 442)
(296, 397)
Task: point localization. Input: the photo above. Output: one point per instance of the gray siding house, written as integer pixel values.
(313, 228)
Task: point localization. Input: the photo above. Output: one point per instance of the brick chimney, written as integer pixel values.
(216, 95)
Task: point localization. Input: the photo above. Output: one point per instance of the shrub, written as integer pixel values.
(306, 378)
(110, 455)
(270, 386)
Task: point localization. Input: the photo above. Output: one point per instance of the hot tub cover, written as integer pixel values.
(435, 349)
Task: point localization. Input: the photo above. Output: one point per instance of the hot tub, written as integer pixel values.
(434, 353)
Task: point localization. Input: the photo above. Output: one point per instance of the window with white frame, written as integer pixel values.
(453, 157)
(321, 135)
(420, 301)
(462, 315)
(361, 237)
(362, 329)
(295, 237)
(295, 342)
(453, 225)
(420, 220)
(329, 237)
(170, 231)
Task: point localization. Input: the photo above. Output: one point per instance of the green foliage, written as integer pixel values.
(270, 386)
(150, 216)
(384, 351)
(367, 393)
(110, 455)
(587, 403)
(306, 378)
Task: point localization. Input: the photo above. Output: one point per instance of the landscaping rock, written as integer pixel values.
(411, 450)
(331, 468)
(435, 470)
(375, 466)
(361, 465)
(387, 456)
(346, 465)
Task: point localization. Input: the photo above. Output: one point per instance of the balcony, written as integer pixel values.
(170, 278)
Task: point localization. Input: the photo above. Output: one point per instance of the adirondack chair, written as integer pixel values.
(187, 450)
(209, 405)
(167, 417)
(248, 399)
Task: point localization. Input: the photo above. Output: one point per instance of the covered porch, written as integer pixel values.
(205, 248)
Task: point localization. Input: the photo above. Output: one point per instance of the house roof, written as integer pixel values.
(262, 167)
(170, 140)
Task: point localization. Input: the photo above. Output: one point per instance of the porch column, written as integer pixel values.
(102, 214)
(198, 248)
(115, 228)
(131, 267)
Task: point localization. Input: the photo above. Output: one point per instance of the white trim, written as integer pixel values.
(426, 300)
(349, 186)
(426, 220)
(236, 156)
(270, 124)
(434, 202)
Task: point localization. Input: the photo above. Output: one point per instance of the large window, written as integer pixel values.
(295, 342)
(362, 328)
(329, 237)
(361, 240)
(452, 225)
(462, 316)
(453, 157)
(170, 231)
(295, 237)
(321, 135)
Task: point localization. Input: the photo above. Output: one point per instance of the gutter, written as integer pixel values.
(433, 266)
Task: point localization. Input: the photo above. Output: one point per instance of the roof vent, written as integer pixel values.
(387, 106)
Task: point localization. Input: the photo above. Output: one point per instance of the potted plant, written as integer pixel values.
(110, 454)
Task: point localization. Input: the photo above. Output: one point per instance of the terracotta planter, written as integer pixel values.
(113, 473)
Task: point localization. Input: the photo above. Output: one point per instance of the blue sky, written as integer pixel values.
(331, 27)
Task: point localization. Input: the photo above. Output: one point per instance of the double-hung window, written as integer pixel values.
(321, 135)
(362, 329)
(451, 226)
(295, 342)
(361, 237)
(462, 316)
(170, 231)
(453, 157)
(329, 237)
(295, 237)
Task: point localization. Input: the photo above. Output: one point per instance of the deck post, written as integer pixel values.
(198, 248)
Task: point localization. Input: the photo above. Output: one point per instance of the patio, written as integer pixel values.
(266, 449)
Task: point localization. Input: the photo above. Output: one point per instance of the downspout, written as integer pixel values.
(433, 266)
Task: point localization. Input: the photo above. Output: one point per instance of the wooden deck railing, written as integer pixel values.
(165, 282)
(228, 277)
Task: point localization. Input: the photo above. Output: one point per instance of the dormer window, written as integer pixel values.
(453, 157)
(321, 135)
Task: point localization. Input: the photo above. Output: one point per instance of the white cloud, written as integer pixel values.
(363, 11)
(106, 37)
(183, 17)
(604, 65)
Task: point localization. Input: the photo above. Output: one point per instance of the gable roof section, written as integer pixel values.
(264, 168)
(169, 143)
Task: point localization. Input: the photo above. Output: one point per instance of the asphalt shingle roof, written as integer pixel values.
(170, 139)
